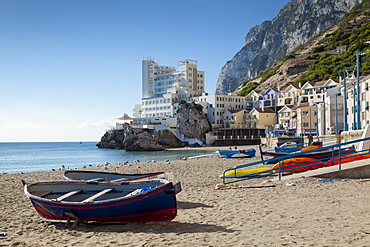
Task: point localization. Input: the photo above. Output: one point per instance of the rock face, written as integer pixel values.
(112, 140)
(142, 142)
(192, 122)
(167, 139)
(296, 23)
(130, 140)
(289, 71)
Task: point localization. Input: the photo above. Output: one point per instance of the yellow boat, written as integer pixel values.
(242, 172)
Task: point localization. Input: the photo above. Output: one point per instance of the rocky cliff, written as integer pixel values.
(128, 139)
(192, 122)
(267, 43)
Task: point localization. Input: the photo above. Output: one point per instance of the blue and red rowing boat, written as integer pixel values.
(151, 200)
(249, 153)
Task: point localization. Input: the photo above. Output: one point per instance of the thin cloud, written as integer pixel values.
(104, 123)
(24, 126)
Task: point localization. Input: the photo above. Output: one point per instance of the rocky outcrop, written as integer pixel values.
(112, 139)
(167, 139)
(192, 121)
(142, 142)
(267, 43)
(128, 139)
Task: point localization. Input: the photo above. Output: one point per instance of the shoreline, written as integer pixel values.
(313, 212)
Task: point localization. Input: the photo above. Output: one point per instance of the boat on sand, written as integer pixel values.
(146, 200)
(298, 164)
(321, 155)
(248, 153)
(244, 172)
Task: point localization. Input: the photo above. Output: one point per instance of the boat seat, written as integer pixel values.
(135, 192)
(97, 179)
(118, 179)
(69, 194)
(99, 194)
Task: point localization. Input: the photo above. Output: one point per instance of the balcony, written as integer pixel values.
(288, 101)
(251, 119)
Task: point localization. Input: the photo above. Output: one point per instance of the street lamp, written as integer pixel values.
(345, 98)
(358, 108)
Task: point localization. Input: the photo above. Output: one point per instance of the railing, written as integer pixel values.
(336, 150)
(238, 137)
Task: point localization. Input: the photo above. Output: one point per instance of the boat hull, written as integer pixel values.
(158, 204)
(299, 164)
(347, 158)
(243, 172)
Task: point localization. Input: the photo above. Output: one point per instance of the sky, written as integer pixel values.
(69, 69)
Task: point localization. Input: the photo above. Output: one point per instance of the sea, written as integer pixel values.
(44, 156)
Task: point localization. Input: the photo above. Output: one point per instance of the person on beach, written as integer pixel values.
(310, 139)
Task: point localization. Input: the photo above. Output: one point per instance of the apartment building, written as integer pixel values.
(306, 120)
(252, 99)
(352, 102)
(235, 119)
(365, 101)
(290, 95)
(164, 86)
(313, 92)
(260, 118)
(268, 98)
(215, 106)
(286, 120)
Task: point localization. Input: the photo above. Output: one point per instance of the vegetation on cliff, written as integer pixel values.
(352, 33)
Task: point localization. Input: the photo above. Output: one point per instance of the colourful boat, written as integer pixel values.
(249, 153)
(347, 158)
(81, 175)
(309, 148)
(151, 200)
(299, 164)
(243, 172)
(320, 155)
(289, 146)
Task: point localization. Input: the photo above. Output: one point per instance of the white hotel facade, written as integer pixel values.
(163, 87)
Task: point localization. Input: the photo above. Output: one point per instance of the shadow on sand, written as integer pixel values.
(190, 205)
(143, 227)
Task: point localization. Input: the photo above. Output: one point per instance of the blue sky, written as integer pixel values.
(69, 68)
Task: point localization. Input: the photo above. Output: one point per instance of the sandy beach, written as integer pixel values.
(312, 212)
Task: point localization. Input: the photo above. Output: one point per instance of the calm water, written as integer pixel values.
(44, 156)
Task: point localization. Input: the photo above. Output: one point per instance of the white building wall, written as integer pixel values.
(218, 104)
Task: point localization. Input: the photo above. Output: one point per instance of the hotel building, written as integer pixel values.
(163, 87)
